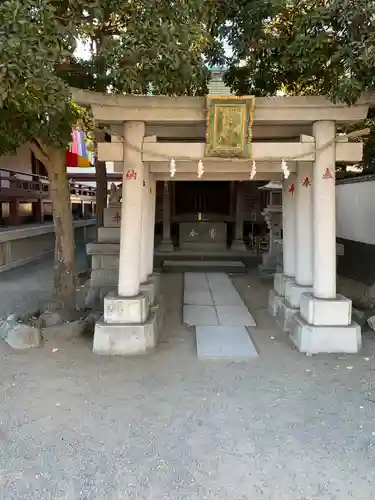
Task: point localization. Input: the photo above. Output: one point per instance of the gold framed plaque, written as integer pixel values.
(229, 126)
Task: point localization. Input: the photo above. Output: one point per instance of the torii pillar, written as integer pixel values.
(324, 323)
(129, 325)
(303, 247)
(277, 294)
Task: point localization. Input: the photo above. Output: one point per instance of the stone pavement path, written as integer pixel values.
(77, 426)
(220, 317)
(27, 288)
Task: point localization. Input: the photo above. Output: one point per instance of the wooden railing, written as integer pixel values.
(14, 184)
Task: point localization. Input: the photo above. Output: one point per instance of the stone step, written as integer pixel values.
(212, 266)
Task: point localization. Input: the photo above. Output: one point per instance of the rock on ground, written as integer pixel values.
(64, 331)
(22, 336)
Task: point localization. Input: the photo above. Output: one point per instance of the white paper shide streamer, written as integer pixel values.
(172, 167)
(253, 171)
(285, 169)
(200, 170)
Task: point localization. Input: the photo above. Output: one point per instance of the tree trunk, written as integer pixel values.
(101, 192)
(65, 265)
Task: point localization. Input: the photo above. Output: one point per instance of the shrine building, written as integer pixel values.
(201, 161)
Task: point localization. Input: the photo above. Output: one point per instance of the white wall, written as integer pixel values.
(355, 211)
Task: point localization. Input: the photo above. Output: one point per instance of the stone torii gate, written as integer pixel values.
(300, 132)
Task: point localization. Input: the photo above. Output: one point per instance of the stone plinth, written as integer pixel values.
(105, 257)
(325, 325)
(130, 325)
(112, 216)
(325, 339)
(126, 340)
(203, 236)
(108, 234)
(126, 310)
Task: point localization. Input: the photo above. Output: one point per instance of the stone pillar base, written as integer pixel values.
(238, 246)
(274, 302)
(129, 326)
(284, 315)
(165, 246)
(125, 340)
(326, 312)
(325, 339)
(280, 282)
(293, 293)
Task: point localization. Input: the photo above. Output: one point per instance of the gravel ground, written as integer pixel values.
(284, 426)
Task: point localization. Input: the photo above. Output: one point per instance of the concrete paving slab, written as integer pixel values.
(234, 316)
(222, 342)
(198, 297)
(211, 277)
(195, 281)
(225, 266)
(229, 298)
(200, 315)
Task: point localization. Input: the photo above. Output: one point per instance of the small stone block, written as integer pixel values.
(125, 340)
(285, 315)
(104, 277)
(293, 293)
(326, 312)
(110, 261)
(126, 310)
(325, 339)
(112, 217)
(108, 234)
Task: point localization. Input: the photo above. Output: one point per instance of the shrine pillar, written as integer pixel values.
(324, 322)
(238, 242)
(151, 227)
(148, 283)
(129, 325)
(289, 226)
(131, 210)
(166, 244)
(143, 270)
(303, 220)
(277, 294)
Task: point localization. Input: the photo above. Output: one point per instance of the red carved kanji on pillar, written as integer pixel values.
(131, 175)
(117, 218)
(292, 188)
(306, 182)
(327, 174)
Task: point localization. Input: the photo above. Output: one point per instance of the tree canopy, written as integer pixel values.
(300, 46)
(133, 45)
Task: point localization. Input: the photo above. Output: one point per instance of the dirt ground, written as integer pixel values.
(283, 426)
